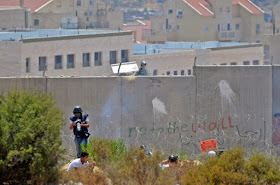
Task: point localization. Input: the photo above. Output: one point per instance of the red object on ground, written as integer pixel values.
(208, 145)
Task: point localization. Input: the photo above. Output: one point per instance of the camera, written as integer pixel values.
(78, 123)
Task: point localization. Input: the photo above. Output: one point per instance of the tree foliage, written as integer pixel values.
(30, 142)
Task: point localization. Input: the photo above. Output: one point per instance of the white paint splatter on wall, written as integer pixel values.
(228, 97)
(158, 109)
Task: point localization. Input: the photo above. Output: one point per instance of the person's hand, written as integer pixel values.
(74, 123)
(93, 163)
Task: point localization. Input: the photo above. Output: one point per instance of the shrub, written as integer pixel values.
(263, 169)
(233, 168)
(30, 141)
(101, 150)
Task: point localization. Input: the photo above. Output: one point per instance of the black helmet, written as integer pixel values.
(173, 158)
(77, 109)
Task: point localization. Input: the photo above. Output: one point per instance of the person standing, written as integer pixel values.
(79, 123)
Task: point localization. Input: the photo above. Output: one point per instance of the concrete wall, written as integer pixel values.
(10, 52)
(230, 104)
(14, 18)
(272, 46)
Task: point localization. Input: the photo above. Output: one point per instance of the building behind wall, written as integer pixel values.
(61, 52)
(178, 58)
(54, 14)
(212, 20)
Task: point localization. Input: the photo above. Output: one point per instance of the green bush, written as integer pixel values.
(30, 142)
(101, 150)
(233, 168)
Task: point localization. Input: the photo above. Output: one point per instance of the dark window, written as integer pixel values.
(170, 11)
(97, 59)
(79, 2)
(155, 72)
(168, 73)
(228, 27)
(113, 57)
(124, 55)
(228, 9)
(91, 2)
(42, 63)
(189, 72)
(256, 62)
(182, 72)
(178, 27)
(258, 28)
(86, 59)
(58, 62)
(70, 61)
(36, 22)
(27, 65)
(237, 26)
(219, 27)
(233, 63)
(223, 64)
(175, 73)
(246, 63)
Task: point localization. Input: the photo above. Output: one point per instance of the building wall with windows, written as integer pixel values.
(75, 55)
(276, 18)
(227, 20)
(182, 62)
(54, 14)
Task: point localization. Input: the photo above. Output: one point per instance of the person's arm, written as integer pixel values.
(72, 125)
(87, 123)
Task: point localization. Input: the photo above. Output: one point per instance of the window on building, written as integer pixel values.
(228, 26)
(91, 2)
(189, 72)
(237, 26)
(178, 27)
(258, 41)
(168, 73)
(27, 65)
(97, 59)
(58, 62)
(170, 11)
(70, 61)
(256, 62)
(220, 10)
(206, 28)
(86, 59)
(124, 55)
(113, 57)
(179, 14)
(246, 63)
(79, 3)
(155, 72)
(233, 63)
(220, 27)
(228, 9)
(36, 22)
(42, 63)
(170, 27)
(258, 28)
(71, 3)
(175, 73)
(182, 72)
(223, 64)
